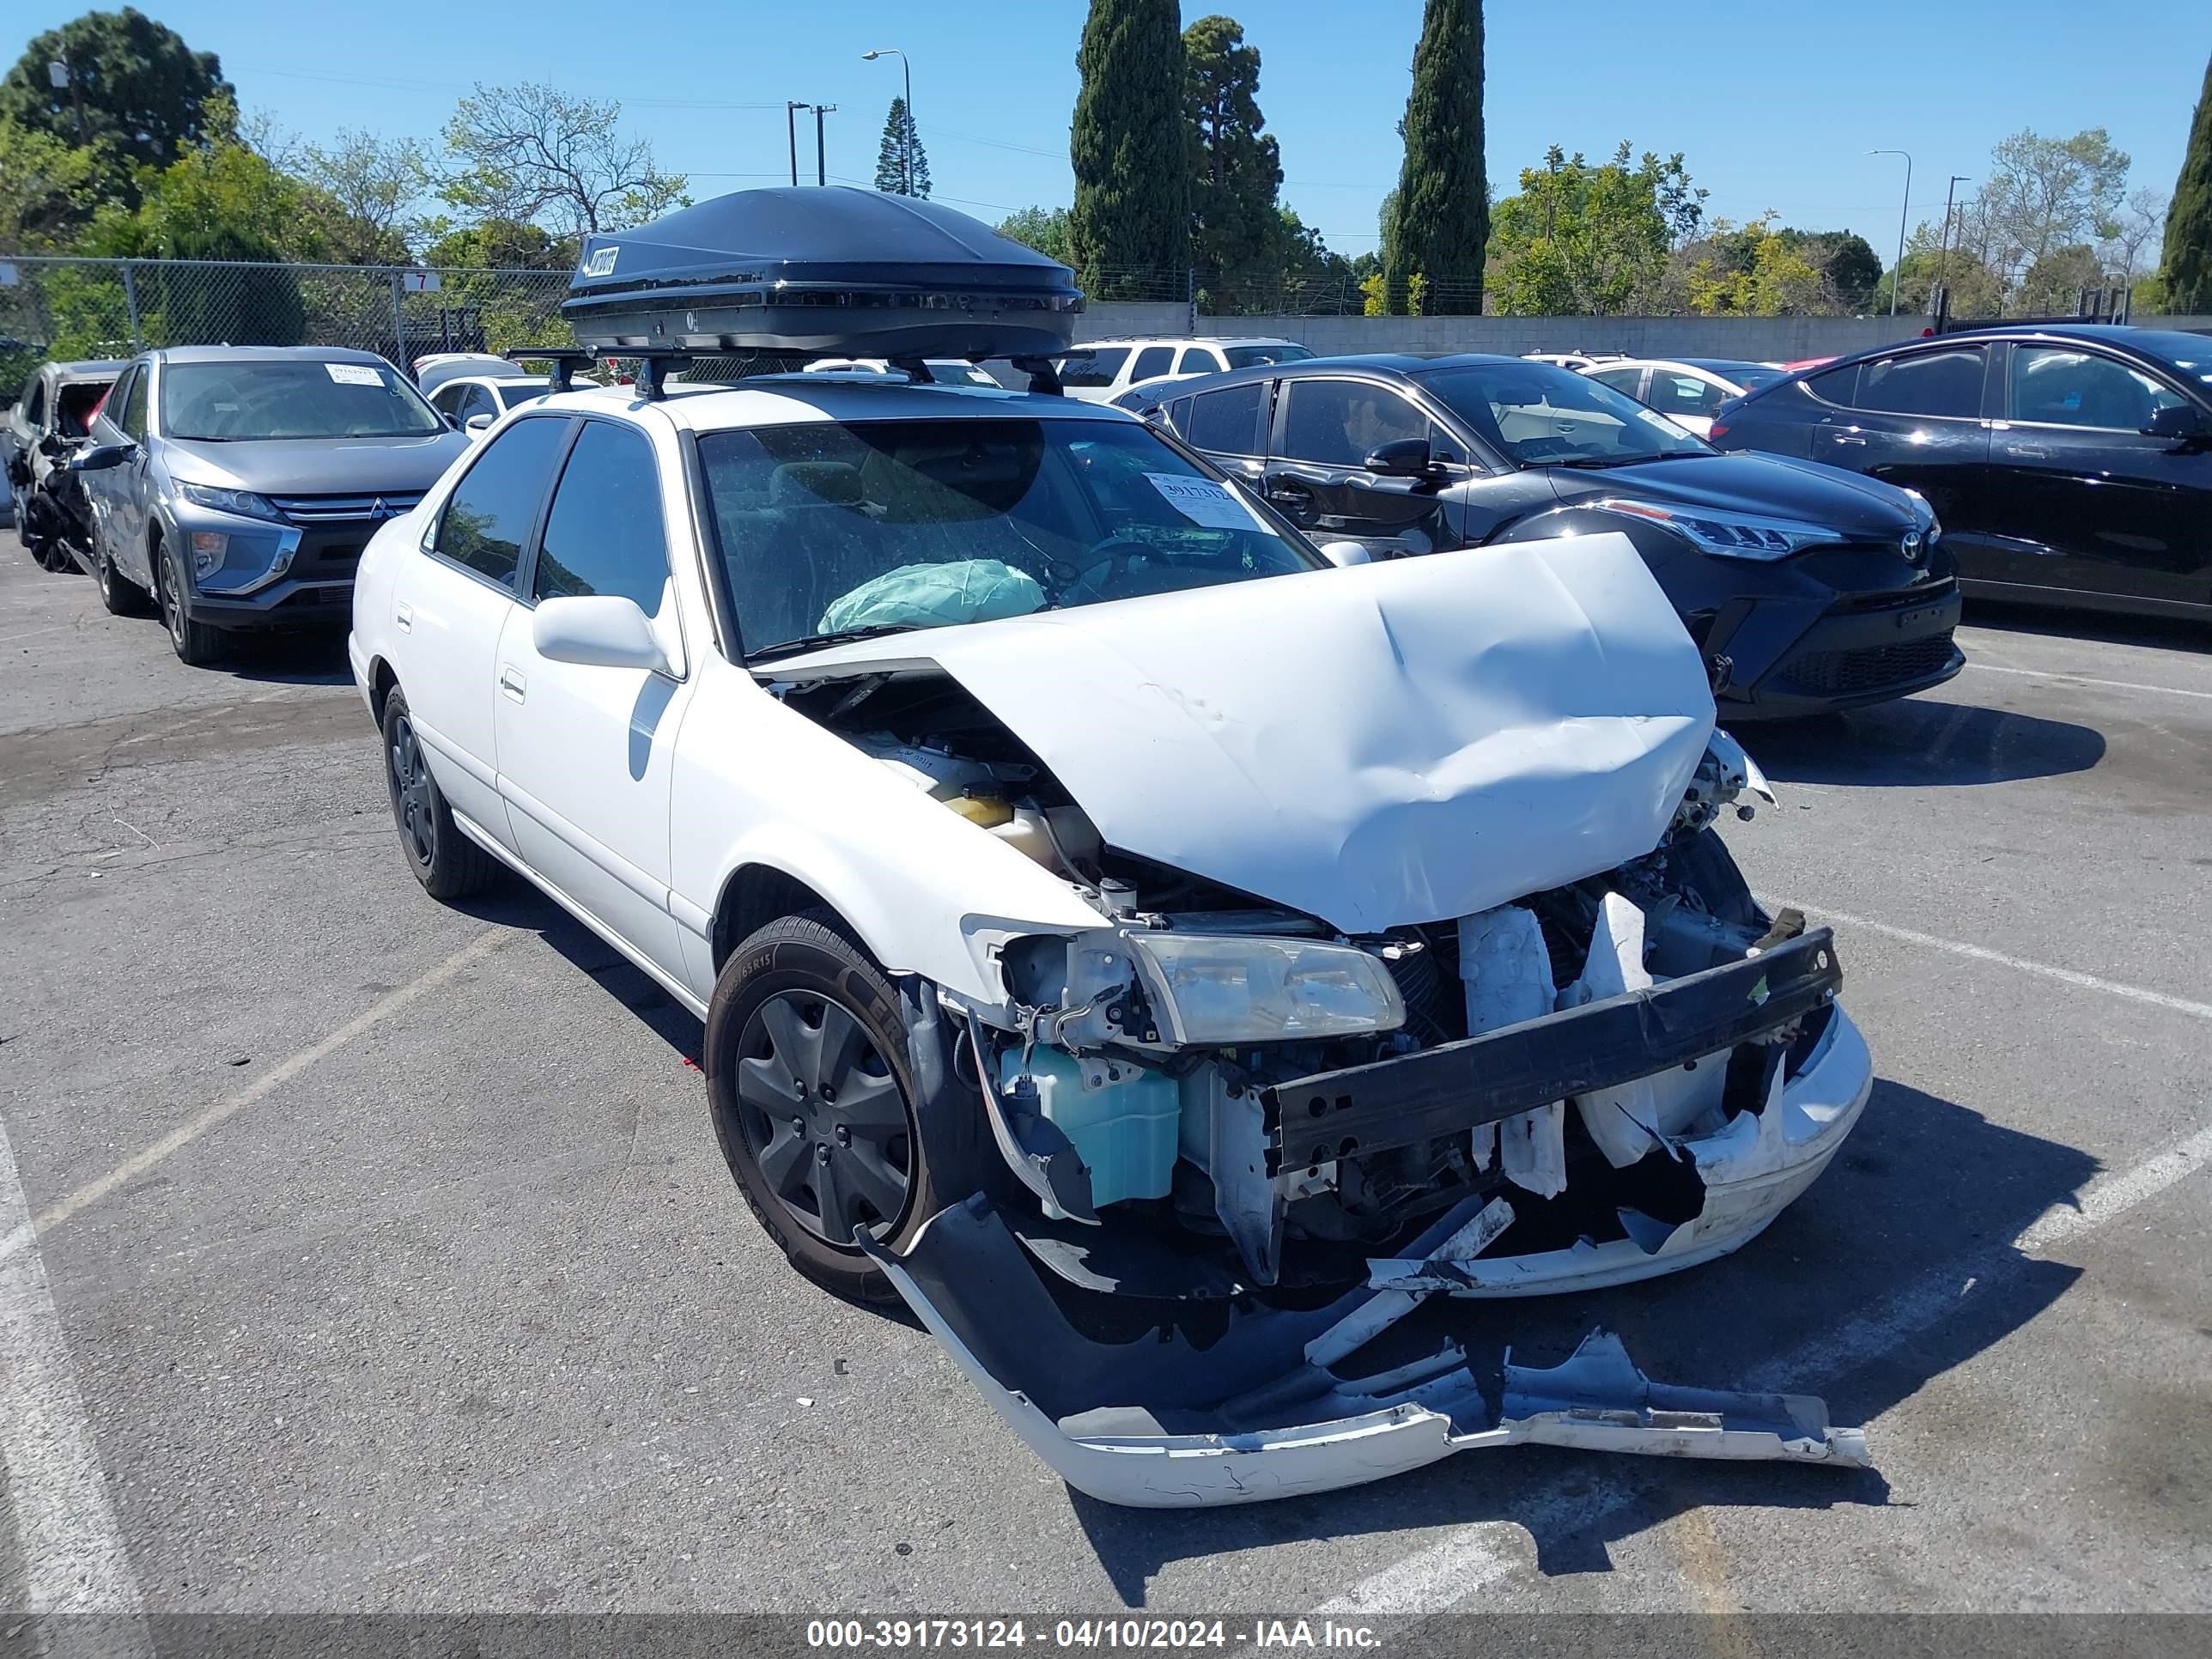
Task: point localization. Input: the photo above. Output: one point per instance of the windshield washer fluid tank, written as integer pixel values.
(1126, 1130)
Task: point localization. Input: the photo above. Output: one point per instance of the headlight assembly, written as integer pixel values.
(1222, 990)
(1730, 535)
(244, 502)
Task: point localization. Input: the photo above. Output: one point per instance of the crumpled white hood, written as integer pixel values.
(1386, 744)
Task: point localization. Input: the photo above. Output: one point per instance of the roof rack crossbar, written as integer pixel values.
(565, 359)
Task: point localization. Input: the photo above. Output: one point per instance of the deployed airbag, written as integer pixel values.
(935, 595)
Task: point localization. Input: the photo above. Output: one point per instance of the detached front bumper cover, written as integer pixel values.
(1258, 1413)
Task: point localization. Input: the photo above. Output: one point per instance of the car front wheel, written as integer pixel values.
(446, 862)
(197, 644)
(814, 1102)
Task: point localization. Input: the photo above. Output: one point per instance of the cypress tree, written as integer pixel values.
(1132, 215)
(2189, 221)
(1442, 226)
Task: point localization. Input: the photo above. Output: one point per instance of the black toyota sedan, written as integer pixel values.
(1808, 589)
(2072, 464)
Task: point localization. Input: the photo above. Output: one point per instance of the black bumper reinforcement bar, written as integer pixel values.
(1458, 1086)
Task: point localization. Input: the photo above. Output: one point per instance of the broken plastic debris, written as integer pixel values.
(805, 1400)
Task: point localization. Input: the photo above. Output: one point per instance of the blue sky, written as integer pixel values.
(1773, 104)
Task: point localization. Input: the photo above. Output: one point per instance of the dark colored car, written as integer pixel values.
(2068, 463)
(49, 422)
(235, 486)
(1807, 589)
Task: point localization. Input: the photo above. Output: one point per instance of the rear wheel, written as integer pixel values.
(197, 644)
(814, 1102)
(122, 596)
(446, 862)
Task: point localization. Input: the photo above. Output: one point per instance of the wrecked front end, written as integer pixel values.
(1243, 1136)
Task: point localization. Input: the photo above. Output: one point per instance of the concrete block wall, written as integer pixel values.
(1759, 339)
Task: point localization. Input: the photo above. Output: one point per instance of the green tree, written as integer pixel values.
(1236, 170)
(1583, 241)
(367, 192)
(138, 94)
(46, 190)
(1442, 225)
(2053, 283)
(1046, 229)
(1132, 214)
(532, 154)
(902, 166)
(2187, 273)
(2043, 194)
(1976, 290)
(1848, 265)
(1755, 271)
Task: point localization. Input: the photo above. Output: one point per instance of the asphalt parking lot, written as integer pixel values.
(385, 1261)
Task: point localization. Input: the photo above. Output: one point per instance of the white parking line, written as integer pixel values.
(2026, 965)
(2084, 679)
(1470, 1558)
(18, 1238)
(74, 1561)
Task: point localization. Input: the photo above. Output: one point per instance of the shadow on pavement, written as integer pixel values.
(511, 902)
(1917, 743)
(1810, 1307)
(307, 658)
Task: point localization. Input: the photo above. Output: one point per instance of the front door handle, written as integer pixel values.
(1841, 438)
(404, 616)
(2027, 452)
(1289, 495)
(511, 681)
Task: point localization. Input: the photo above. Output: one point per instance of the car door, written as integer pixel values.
(1324, 428)
(1685, 397)
(2090, 502)
(584, 749)
(1916, 419)
(1231, 425)
(1148, 364)
(131, 500)
(451, 605)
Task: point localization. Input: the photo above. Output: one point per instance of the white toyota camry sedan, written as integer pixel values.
(1093, 893)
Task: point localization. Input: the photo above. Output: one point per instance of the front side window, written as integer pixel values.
(1943, 383)
(271, 398)
(826, 529)
(488, 517)
(1250, 356)
(1540, 414)
(1099, 368)
(34, 401)
(1227, 421)
(1673, 392)
(446, 399)
(1152, 360)
(1341, 422)
(2054, 387)
(605, 534)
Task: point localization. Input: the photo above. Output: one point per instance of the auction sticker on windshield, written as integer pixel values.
(1204, 501)
(353, 374)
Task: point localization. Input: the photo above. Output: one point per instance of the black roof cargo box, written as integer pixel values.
(824, 272)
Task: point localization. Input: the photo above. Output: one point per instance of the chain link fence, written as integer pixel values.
(68, 308)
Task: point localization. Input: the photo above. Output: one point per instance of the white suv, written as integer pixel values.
(1059, 849)
(1102, 370)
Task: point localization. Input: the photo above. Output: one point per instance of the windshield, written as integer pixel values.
(228, 402)
(828, 530)
(1537, 415)
(1244, 357)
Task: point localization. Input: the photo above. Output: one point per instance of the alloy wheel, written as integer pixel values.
(411, 800)
(823, 1117)
(172, 602)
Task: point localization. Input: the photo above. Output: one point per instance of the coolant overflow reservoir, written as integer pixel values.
(1125, 1130)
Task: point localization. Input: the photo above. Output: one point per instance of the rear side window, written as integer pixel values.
(1947, 383)
(1839, 387)
(1099, 368)
(1197, 360)
(488, 517)
(1620, 380)
(34, 401)
(1226, 421)
(1152, 360)
(604, 534)
(1673, 392)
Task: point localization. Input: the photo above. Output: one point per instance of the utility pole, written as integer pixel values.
(790, 109)
(1896, 271)
(1943, 263)
(821, 162)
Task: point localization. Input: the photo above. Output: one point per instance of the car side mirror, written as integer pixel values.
(2178, 424)
(1345, 553)
(599, 630)
(478, 424)
(1405, 458)
(453, 421)
(99, 458)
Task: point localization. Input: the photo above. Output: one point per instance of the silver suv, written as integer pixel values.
(235, 486)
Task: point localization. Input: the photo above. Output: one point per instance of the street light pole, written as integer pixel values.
(1943, 266)
(1896, 271)
(908, 138)
(821, 162)
(790, 109)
